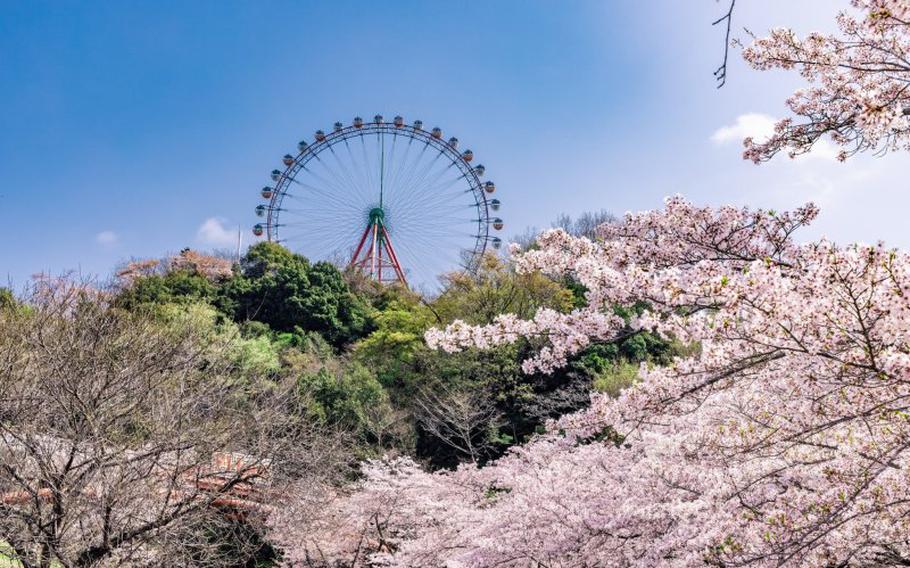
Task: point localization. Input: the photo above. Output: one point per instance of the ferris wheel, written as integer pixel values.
(391, 200)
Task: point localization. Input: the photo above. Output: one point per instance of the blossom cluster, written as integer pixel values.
(212, 268)
(646, 257)
(859, 80)
(782, 441)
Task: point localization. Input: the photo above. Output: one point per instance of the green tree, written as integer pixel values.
(511, 405)
(391, 348)
(287, 292)
(342, 396)
(493, 376)
(178, 286)
(7, 299)
(497, 289)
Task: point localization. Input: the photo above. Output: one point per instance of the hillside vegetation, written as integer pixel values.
(151, 421)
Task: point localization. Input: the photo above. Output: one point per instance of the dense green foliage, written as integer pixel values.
(286, 292)
(6, 298)
(178, 286)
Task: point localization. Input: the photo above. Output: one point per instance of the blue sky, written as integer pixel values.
(137, 128)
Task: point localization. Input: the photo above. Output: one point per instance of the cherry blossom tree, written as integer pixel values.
(859, 79)
(782, 441)
(212, 268)
(129, 441)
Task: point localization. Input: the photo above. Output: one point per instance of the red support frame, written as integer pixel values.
(369, 258)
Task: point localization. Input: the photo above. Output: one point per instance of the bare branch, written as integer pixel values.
(720, 74)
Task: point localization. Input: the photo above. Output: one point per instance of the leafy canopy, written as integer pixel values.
(287, 292)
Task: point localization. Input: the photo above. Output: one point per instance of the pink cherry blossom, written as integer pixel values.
(782, 441)
(859, 79)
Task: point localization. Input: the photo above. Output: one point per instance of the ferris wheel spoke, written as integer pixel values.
(309, 199)
(368, 169)
(430, 251)
(438, 241)
(342, 241)
(450, 203)
(463, 233)
(417, 226)
(327, 183)
(358, 171)
(400, 163)
(453, 220)
(366, 172)
(316, 245)
(315, 189)
(381, 137)
(453, 202)
(333, 197)
(335, 203)
(442, 243)
(324, 229)
(296, 212)
(446, 184)
(348, 174)
(411, 261)
(312, 236)
(443, 200)
(412, 215)
(425, 181)
(447, 236)
(406, 168)
(420, 180)
(420, 173)
(386, 163)
(442, 187)
(420, 259)
(393, 162)
(311, 170)
(320, 239)
(425, 207)
(464, 230)
(434, 178)
(320, 251)
(327, 224)
(338, 176)
(313, 220)
(419, 193)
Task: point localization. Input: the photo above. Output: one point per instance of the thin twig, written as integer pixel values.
(720, 74)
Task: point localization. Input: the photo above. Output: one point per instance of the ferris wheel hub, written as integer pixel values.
(377, 215)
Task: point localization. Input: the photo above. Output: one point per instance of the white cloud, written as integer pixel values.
(213, 232)
(107, 238)
(759, 126)
(822, 150)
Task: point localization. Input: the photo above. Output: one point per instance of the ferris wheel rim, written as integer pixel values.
(324, 141)
(348, 132)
